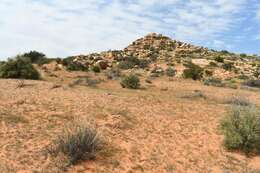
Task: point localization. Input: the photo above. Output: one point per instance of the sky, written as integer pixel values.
(61, 28)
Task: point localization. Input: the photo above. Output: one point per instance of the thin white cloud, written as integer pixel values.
(64, 27)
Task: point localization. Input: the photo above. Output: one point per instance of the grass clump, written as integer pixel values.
(79, 141)
(241, 129)
(193, 71)
(19, 68)
(130, 81)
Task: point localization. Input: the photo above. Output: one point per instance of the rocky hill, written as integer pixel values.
(158, 50)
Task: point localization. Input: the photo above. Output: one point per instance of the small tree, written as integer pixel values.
(35, 57)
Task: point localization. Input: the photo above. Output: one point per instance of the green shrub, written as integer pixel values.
(19, 68)
(73, 66)
(96, 69)
(219, 59)
(228, 66)
(170, 72)
(193, 71)
(130, 81)
(243, 55)
(128, 62)
(79, 141)
(241, 129)
(143, 63)
(213, 82)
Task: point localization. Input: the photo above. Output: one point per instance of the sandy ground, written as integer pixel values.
(165, 128)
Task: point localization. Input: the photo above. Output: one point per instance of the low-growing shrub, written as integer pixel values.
(130, 81)
(78, 141)
(113, 73)
(213, 82)
(73, 66)
(170, 72)
(219, 59)
(19, 68)
(193, 71)
(228, 66)
(239, 101)
(253, 83)
(96, 69)
(241, 129)
(128, 62)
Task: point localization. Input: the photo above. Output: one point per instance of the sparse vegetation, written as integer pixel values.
(241, 128)
(130, 81)
(19, 68)
(193, 71)
(79, 141)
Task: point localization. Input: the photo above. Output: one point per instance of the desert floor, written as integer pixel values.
(169, 126)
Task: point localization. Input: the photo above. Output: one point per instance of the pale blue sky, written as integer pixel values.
(60, 28)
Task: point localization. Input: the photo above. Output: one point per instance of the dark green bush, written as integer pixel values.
(228, 66)
(128, 62)
(130, 81)
(170, 72)
(79, 141)
(193, 71)
(143, 63)
(241, 129)
(96, 69)
(19, 68)
(37, 57)
(219, 59)
(73, 66)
